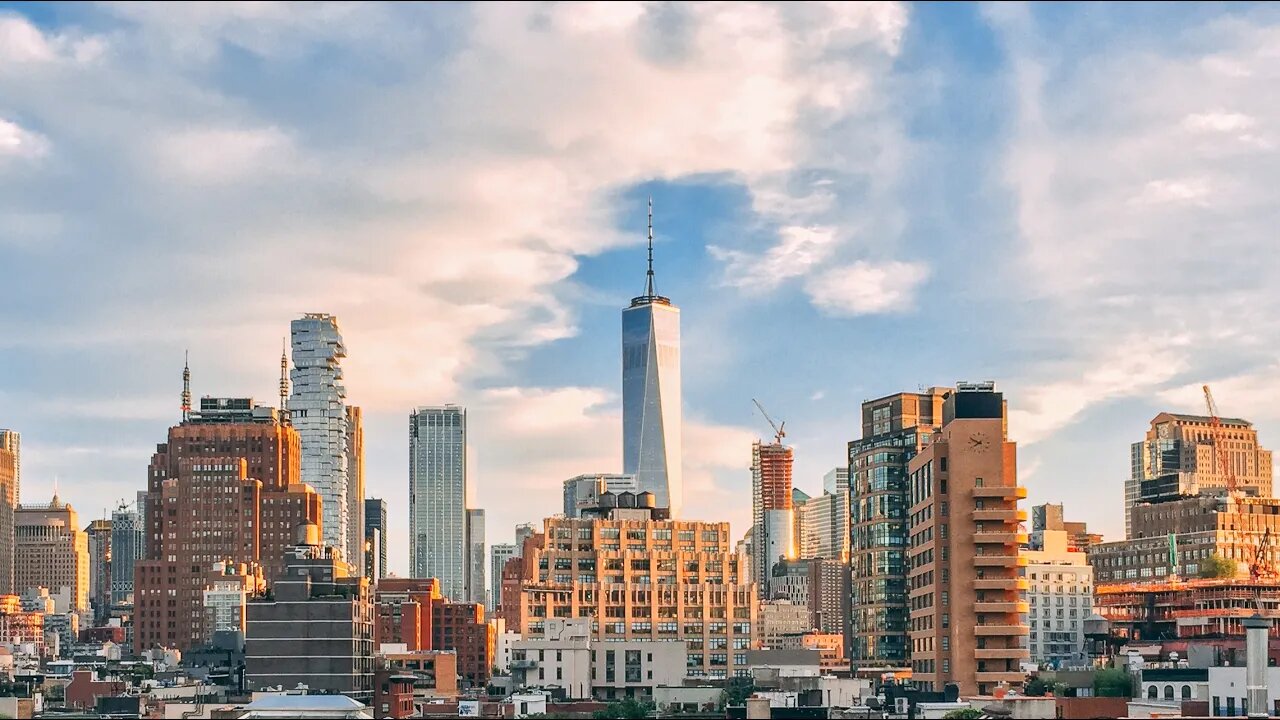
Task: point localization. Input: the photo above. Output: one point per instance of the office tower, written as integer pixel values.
(583, 491)
(651, 424)
(11, 441)
(330, 444)
(823, 522)
(224, 488)
(128, 539)
(967, 610)
(316, 626)
(1178, 458)
(438, 496)
(639, 578)
(476, 557)
(894, 429)
(772, 516)
(99, 534)
(499, 555)
(8, 504)
(51, 551)
(355, 486)
(1049, 517)
(375, 537)
(1059, 586)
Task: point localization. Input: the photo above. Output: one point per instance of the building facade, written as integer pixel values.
(1050, 517)
(128, 540)
(223, 488)
(461, 627)
(583, 491)
(1178, 458)
(437, 497)
(639, 578)
(772, 511)
(98, 533)
(314, 628)
(225, 596)
(375, 538)
(894, 429)
(651, 405)
(570, 660)
(781, 618)
(1060, 597)
(318, 411)
(11, 442)
(823, 524)
(51, 551)
(8, 505)
(498, 556)
(403, 612)
(477, 557)
(967, 612)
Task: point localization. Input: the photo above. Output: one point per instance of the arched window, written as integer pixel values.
(1153, 692)
(1186, 692)
(1168, 692)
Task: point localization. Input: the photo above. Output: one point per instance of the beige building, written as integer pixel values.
(1179, 458)
(51, 551)
(967, 623)
(568, 658)
(1060, 597)
(639, 578)
(780, 618)
(8, 504)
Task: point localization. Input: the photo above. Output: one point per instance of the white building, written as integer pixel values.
(1227, 691)
(777, 618)
(224, 603)
(651, 415)
(437, 497)
(567, 658)
(1059, 597)
(319, 411)
(583, 491)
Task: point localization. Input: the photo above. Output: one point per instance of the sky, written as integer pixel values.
(850, 200)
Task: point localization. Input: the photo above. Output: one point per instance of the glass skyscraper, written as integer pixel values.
(128, 537)
(651, 422)
(437, 497)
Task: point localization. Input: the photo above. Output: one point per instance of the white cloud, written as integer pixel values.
(15, 141)
(1218, 122)
(865, 288)
(218, 155)
(21, 43)
(798, 252)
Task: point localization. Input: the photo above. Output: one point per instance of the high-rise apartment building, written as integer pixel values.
(639, 578)
(1049, 518)
(476, 557)
(823, 521)
(1179, 458)
(499, 554)
(1059, 586)
(128, 546)
(438, 497)
(8, 505)
(11, 441)
(651, 413)
(224, 488)
(99, 534)
(375, 538)
(967, 613)
(51, 551)
(894, 429)
(772, 515)
(331, 435)
(583, 491)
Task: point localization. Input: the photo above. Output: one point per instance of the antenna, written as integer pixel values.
(285, 416)
(649, 275)
(186, 385)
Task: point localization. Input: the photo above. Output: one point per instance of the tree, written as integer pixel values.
(1112, 683)
(1216, 566)
(628, 709)
(965, 714)
(1035, 687)
(736, 693)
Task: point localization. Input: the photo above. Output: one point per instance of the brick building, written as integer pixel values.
(461, 627)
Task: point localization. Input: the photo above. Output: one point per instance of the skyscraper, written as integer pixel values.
(99, 533)
(651, 422)
(499, 555)
(8, 504)
(772, 513)
(10, 440)
(375, 537)
(128, 546)
(51, 551)
(476, 557)
(584, 490)
(318, 409)
(437, 497)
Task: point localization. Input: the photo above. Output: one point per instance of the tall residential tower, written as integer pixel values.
(438, 497)
(651, 392)
(772, 511)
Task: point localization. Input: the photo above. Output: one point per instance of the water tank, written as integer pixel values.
(626, 499)
(308, 534)
(608, 500)
(646, 499)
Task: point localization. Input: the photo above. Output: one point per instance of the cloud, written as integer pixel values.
(15, 141)
(217, 155)
(798, 252)
(865, 288)
(22, 43)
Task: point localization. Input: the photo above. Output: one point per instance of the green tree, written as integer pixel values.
(1216, 566)
(628, 709)
(1112, 683)
(965, 714)
(1035, 687)
(736, 693)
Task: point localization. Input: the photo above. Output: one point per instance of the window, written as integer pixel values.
(1186, 692)
(1168, 692)
(1152, 693)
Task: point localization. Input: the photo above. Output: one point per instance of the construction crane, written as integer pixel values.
(1219, 446)
(1261, 567)
(778, 429)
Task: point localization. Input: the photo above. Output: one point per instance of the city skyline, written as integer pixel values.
(840, 225)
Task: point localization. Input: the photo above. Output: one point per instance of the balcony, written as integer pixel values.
(1008, 653)
(1010, 560)
(1001, 607)
(1008, 492)
(1000, 538)
(524, 664)
(999, 676)
(1000, 514)
(1001, 584)
(1000, 630)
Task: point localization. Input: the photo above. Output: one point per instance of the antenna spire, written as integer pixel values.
(285, 416)
(649, 275)
(186, 385)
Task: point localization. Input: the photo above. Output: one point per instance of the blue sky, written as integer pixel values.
(851, 200)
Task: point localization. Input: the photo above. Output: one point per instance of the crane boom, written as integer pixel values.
(778, 430)
(1219, 446)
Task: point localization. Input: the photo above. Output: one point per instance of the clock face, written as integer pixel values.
(979, 442)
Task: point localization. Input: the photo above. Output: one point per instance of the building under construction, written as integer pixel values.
(1209, 608)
